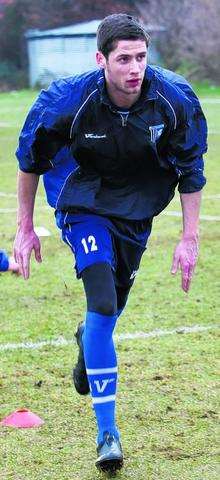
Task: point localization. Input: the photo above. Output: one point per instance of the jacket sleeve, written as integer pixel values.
(46, 129)
(4, 262)
(186, 147)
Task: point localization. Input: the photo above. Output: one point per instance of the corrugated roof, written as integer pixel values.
(84, 28)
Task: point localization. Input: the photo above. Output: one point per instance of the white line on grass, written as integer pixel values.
(14, 195)
(9, 125)
(14, 210)
(8, 195)
(211, 197)
(62, 342)
(212, 101)
(210, 218)
(215, 196)
(204, 197)
(8, 110)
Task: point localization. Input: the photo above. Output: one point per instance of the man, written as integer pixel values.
(136, 132)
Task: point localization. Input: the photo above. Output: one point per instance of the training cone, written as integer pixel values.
(22, 418)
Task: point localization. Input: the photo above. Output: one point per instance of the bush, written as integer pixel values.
(12, 77)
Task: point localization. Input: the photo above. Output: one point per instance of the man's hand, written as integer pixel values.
(25, 242)
(185, 257)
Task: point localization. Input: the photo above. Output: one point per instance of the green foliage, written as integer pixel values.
(167, 396)
(11, 77)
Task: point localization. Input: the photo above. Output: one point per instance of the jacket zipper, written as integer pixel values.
(124, 119)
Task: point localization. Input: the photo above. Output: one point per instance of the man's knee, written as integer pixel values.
(105, 304)
(100, 289)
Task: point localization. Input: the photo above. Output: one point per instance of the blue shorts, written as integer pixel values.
(95, 239)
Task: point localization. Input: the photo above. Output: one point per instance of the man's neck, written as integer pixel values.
(122, 100)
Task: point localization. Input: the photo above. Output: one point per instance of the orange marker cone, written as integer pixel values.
(22, 418)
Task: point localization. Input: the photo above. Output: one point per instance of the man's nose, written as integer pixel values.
(134, 66)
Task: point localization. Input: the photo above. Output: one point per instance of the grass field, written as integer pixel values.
(167, 396)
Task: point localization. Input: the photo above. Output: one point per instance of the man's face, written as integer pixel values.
(125, 67)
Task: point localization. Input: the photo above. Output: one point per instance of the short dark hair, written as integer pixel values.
(119, 26)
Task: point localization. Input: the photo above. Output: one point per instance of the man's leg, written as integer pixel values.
(122, 296)
(99, 351)
(79, 372)
(101, 361)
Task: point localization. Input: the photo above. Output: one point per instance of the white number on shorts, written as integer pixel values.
(92, 244)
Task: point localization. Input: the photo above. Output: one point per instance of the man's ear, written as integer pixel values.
(100, 60)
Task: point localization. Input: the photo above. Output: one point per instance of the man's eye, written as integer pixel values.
(123, 59)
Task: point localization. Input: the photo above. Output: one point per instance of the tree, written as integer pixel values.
(22, 15)
(191, 41)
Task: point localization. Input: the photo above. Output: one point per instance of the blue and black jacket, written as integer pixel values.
(98, 158)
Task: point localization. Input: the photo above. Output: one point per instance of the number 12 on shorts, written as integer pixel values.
(89, 244)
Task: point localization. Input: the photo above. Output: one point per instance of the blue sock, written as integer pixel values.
(101, 367)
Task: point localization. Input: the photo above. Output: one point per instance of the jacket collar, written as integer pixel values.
(149, 90)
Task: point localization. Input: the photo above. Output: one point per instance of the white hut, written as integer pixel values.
(65, 51)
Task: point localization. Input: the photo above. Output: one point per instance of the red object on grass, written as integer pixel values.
(22, 418)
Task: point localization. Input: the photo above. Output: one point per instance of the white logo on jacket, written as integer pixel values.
(94, 135)
(156, 131)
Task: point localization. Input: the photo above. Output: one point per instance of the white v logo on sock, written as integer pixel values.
(101, 385)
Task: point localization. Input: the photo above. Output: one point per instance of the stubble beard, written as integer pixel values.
(123, 90)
